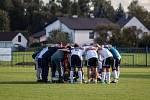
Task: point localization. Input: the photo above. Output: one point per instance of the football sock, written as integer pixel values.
(103, 77)
(80, 75)
(108, 77)
(114, 74)
(71, 76)
(118, 74)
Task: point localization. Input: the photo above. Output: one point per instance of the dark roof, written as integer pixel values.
(7, 36)
(124, 20)
(83, 23)
(39, 34)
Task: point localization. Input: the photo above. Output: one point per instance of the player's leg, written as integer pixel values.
(45, 70)
(114, 72)
(79, 65)
(38, 71)
(53, 71)
(99, 71)
(89, 70)
(108, 64)
(60, 71)
(103, 74)
(73, 61)
(95, 64)
(118, 69)
(103, 71)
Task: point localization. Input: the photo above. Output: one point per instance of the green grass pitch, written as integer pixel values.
(18, 83)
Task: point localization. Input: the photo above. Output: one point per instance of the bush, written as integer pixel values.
(34, 45)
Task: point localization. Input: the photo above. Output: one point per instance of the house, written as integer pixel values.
(10, 39)
(39, 37)
(131, 21)
(81, 30)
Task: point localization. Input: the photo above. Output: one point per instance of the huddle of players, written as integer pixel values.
(67, 59)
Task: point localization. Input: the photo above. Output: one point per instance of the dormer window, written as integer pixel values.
(19, 38)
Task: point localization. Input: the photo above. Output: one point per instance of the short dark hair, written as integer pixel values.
(76, 45)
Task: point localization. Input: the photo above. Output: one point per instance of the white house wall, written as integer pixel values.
(64, 28)
(54, 26)
(135, 22)
(82, 37)
(23, 40)
(57, 25)
(77, 36)
(6, 44)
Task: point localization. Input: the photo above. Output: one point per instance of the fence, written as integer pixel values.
(18, 59)
(130, 57)
(135, 56)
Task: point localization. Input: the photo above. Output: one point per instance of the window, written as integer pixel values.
(19, 38)
(134, 27)
(91, 35)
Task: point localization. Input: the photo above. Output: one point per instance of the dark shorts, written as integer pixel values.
(92, 62)
(76, 61)
(116, 64)
(108, 62)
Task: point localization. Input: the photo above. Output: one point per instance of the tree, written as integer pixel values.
(145, 41)
(119, 12)
(74, 9)
(83, 8)
(65, 7)
(53, 7)
(105, 33)
(103, 9)
(129, 37)
(4, 21)
(16, 16)
(5, 4)
(56, 36)
(29, 16)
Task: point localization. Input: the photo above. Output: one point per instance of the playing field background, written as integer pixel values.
(18, 83)
(128, 59)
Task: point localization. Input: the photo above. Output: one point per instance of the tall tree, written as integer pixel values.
(5, 4)
(65, 7)
(103, 9)
(119, 12)
(74, 8)
(83, 7)
(53, 7)
(106, 33)
(16, 15)
(4, 21)
(129, 37)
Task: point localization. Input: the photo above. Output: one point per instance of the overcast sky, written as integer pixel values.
(125, 3)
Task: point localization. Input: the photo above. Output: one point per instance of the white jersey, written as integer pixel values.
(77, 51)
(42, 52)
(91, 54)
(104, 53)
